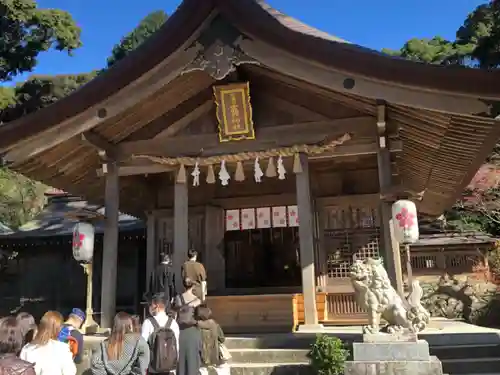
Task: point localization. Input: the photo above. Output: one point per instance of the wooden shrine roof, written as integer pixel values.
(443, 113)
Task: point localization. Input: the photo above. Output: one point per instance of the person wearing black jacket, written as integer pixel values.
(162, 281)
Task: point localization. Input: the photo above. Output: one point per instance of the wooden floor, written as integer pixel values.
(273, 313)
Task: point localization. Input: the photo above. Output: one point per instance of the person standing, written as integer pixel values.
(195, 271)
(161, 332)
(212, 339)
(124, 352)
(49, 355)
(11, 342)
(71, 327)
(162, 281)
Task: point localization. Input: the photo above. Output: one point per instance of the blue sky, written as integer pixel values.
(375, 24)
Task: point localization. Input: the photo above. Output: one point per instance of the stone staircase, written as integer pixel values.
(266, 355)
(287, 354)
(469, 359)
(462, 353)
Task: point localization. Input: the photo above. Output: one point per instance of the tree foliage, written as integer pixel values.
(39, 92)
(147, 27)
(475, 44)
(26, 31)
(20, 198)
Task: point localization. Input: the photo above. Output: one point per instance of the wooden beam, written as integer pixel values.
(174, 115)
(181, 124)
(322, 76)
(105, 149)
(133, 170)
(277, 136)
(291, 108)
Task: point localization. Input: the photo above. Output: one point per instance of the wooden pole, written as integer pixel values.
(110, 247)
(306, 239)
(89, 326)
(391, 252)
(181, 234)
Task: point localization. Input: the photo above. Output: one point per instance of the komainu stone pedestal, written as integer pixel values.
(384, 354)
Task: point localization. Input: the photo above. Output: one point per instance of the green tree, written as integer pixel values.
(147, 27)
(474, 44)
(26, 30)
(7, 97)
(20, 198)
(38, 92)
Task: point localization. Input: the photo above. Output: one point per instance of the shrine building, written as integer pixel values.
(274, 149)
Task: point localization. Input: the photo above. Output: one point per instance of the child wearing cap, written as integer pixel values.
(73, 324)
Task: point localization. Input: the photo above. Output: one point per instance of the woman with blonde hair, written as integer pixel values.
(124, 352)
(51, 357)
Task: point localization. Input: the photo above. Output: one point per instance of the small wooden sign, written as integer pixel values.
(234, 112)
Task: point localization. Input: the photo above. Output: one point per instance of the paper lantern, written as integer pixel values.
(83, 242)
(405, 222)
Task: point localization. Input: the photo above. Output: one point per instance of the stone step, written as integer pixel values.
(472, 366)
(276, 341)
(304, 340)
(271, 368)
(465, 351)
(269, 355)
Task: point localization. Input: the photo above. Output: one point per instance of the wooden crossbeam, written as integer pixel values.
(267, 137)
(105, 149)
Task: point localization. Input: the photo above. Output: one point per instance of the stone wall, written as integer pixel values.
(466, 296)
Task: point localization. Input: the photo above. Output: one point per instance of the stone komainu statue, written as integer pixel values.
(375, 293)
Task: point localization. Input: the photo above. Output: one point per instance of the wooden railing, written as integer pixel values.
(457, 260)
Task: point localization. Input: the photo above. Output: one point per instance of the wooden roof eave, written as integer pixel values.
(286, 33)
(307, 55)
(134, 78)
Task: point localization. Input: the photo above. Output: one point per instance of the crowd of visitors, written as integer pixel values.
(180, 337)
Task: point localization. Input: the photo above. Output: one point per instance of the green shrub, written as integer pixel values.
(328, 355)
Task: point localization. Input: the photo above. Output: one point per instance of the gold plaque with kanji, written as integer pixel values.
(234, 112)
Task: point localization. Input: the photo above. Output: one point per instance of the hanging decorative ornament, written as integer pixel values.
(271, 168)
(281, 169)
(196, 175)
(224, 176)
(239, 175)
(181, 175)
(257, 171)
(210, 174)
(297, 166)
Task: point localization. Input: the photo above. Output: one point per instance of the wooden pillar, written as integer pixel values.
(214, 259)
(391, 252)
(151, 258)
(181, 227)
(306, 237)
(110, 247)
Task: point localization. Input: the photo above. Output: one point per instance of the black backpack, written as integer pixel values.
(185, 315)
(162, 347)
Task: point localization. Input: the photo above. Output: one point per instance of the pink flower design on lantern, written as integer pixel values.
(78, 240)
(405, 218)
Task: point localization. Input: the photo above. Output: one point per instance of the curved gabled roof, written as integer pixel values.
(258, 20)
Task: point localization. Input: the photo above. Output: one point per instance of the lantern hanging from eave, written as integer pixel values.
(405, 222)
(83, 242)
